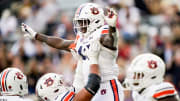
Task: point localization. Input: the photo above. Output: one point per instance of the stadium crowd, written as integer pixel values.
(144, 25)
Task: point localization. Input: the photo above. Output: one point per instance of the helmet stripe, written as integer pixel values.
(6, 80)
(3, 81)
(79, 10)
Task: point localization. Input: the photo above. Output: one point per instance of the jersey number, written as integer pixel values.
(82, 50)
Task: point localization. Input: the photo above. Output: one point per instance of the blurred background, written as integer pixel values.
(144, 25)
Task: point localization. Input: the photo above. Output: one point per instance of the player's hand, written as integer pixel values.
(110, 16)
(29, 32)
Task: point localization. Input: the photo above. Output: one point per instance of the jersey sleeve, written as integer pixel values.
(105, 30)
(67, 96)
(164, 90)
(73, 45)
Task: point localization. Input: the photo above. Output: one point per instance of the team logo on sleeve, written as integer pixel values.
(152, 64)
(49, 82)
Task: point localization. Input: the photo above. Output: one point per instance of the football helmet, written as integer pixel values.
(145, 70)
(49, 86)
(13, 82)
(88, 18)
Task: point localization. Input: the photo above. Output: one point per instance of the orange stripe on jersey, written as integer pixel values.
(3, 81)
(73, 45)
(68, 97)
(105, 31)
(77, 37)
(166, 92)
(115, 90)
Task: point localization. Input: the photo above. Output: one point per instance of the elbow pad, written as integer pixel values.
(93, 84)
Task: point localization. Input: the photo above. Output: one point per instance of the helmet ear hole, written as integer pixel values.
(21, 87)
(97, 21)
(135, 84)
(55, 91)
(88, 21)
(153, 77)
(41, 87)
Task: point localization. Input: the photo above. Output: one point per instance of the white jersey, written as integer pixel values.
(155, 92)
(106, 57)
(90, 51)
(13, 98)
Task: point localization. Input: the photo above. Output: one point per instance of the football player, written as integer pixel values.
(145, 78)
(13, 85)
(50, 87)
(96, 44)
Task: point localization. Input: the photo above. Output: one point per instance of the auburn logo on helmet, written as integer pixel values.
(94, 11)
(152, 64)
(19, 75)
(49, 82)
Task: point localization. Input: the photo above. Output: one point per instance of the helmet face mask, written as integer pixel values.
(81, 24)
(145, 70)
(88, 18)
(13, 83)
(50, 86)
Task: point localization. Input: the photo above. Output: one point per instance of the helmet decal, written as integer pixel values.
(152, 64)
(19, 75)
(49, 82)
(94, 11)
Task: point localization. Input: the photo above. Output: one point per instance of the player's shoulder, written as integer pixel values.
(163, 90)
(101, 31)
(66, 96)
(104, 29)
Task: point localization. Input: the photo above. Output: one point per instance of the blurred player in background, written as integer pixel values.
(13, 85)
(96, 44)
(145, 77)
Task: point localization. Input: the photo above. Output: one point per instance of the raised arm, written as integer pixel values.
(92, 86)
(110, 40)
(52, 41)
(55, 42)
(94, 79)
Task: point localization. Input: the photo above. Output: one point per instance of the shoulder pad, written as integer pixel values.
(163, 90)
